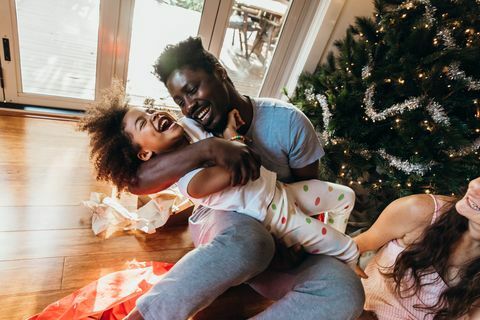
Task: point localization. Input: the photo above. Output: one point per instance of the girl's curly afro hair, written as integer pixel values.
(113, 152)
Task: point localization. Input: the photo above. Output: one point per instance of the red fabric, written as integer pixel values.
(111, 297)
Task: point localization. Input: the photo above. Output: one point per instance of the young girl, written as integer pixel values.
(428, 266)
(284, 209)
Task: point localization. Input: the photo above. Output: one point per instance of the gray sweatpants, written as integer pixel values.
(232, 249)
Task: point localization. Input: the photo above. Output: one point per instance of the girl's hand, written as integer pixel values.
(367, 315)
(234, 122)
(359, 271)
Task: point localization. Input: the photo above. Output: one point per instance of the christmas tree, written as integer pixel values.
(398, 107)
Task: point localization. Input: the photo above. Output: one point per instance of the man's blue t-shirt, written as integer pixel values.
(283, 137)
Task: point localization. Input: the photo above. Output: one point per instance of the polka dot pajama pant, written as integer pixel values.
(289, 217)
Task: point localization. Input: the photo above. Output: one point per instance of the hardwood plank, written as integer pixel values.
(17, 175)
(27, 276)
(75, 242)
(18, 124)
(19, 307)
(44, 218)
(36, 194)
(45, 151)
(81, 270)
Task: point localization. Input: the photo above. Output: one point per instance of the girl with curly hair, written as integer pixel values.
(123, 136)
(428, 266)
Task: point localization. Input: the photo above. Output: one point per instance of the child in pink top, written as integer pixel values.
(428, 259)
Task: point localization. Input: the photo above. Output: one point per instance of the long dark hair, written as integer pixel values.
(431, 255)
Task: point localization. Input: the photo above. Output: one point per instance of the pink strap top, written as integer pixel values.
(381, 297)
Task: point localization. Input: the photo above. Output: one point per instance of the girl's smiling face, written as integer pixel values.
(154, 133)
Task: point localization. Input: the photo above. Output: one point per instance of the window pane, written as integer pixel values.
(250, 41)
(157, 24)
(58, 46)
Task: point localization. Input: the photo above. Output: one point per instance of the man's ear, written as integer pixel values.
(144, 155)
(220, 71)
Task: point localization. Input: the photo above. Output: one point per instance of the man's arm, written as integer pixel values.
(163, 170)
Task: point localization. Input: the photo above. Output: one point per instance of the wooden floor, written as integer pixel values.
(47, 248)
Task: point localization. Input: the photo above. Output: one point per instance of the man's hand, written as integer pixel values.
(237, 158)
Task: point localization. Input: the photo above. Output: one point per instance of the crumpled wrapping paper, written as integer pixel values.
(119, 211)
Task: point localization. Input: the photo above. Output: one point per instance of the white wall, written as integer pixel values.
(350, 10)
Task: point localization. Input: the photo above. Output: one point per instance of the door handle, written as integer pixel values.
(6, 49)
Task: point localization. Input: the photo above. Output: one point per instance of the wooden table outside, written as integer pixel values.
(268, 6)
(271, 13)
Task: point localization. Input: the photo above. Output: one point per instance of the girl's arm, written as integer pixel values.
(208, 181)
(234, 122)
(163, 170)
(403, 216)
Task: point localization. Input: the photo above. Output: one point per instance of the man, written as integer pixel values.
(234, 248)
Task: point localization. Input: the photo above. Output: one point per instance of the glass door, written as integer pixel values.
(52, 49)
(63, 53)
(253, 31)
(155, 25)
(57, 43)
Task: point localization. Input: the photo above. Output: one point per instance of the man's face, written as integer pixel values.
(202, 96)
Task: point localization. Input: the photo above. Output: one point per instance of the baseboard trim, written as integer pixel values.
(18, 110)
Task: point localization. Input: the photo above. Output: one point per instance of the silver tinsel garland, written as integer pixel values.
(404, 165)
(327, 115)
(429, 11)
(399, 164)
(309, 94)
(447, 38)
(465, 150)
(435, 110)
(366, 71)
(398, 108)
(455, 73)
(437, 113)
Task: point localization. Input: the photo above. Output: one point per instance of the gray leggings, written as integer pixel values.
(232, 249)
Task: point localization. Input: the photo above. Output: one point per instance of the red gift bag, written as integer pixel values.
(111, 297)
